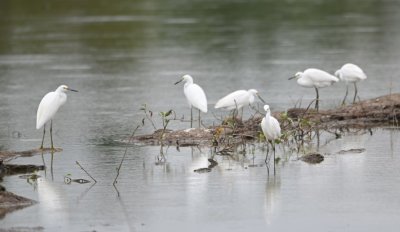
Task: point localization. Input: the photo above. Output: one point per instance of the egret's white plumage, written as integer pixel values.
(195, 95)
(271, 130)
(350, 73)
(315, 78)
(49, 106)
(237, 99)
(270, 126)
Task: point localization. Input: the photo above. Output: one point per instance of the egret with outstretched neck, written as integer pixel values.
(195, 96)
(271, 130)
(48, 108)
(350, 73)
(315, 78)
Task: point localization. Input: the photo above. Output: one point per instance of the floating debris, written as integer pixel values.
(313, 158)
(33, 176)
(353, 150)
(15, 169)
(69, 180)
(213, 163)
(202, 170)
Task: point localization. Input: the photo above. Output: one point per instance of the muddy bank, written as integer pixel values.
(377, 112)
(5, 155)
(380, 111)
(10, 202)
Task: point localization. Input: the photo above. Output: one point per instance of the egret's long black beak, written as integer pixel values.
(258, 95)
(178, 81)
(73, 90)
(290, 78)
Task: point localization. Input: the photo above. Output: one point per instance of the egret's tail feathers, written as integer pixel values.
(203, 109)
(39, 124)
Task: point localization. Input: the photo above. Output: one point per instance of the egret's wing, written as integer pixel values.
(271, 128)
(47, 109)
(229, 100)
(317, 75)
(196, 97)
(264, 127)
(353, 72)
(276, 128)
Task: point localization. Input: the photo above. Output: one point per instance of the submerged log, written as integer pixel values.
(380, 111)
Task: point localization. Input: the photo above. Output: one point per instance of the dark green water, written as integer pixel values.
(122, 54)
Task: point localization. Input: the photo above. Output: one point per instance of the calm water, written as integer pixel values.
(121, 55)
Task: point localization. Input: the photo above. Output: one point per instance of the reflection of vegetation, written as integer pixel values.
(133, 25)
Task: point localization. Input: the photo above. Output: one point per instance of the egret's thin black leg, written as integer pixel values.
(191, 117)
(44, 132)
(355, 92)
(199, 119)
(51, 134)
(273, 147)
(345, 96)
(317, 100)
(266, 157)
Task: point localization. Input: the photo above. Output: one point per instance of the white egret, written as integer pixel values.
(271, 130)
(48, 107)
(194, 95)
(238, 99)
(314, 78)
(350, 73)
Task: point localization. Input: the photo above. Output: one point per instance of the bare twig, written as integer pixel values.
(86, 171)
(123, 157)
(149, 115)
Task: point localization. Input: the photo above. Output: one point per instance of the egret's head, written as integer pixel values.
(297, 75)
(255, 93)
(64, 88)
(266, 108)
(186, 78)
(339, 74)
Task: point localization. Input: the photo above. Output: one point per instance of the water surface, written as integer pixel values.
(124, 54)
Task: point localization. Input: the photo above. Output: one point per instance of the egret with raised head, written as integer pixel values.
(48, 108)
(315, 78)
(350, 73)
(195, 96)
(271, 130)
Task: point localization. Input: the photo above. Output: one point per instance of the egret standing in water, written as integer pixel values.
(48, 108)
(315, 78)
(350, 73)
(195, 96)
(271, 130)
(238, 99)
